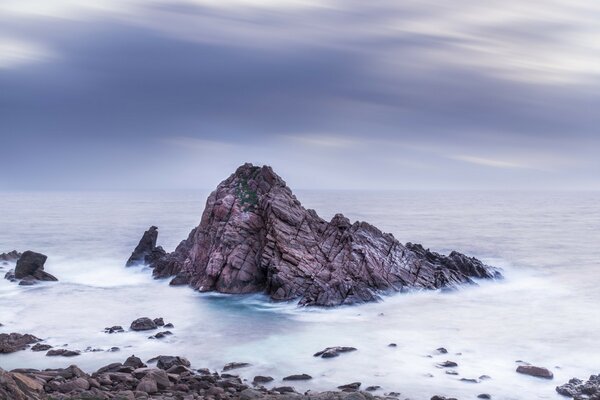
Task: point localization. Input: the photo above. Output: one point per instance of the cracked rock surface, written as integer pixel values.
(255, 236)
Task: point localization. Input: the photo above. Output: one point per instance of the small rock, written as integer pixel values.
(392, 345)
(373, 388)
(484, 396)
(262, 379)
(297, 377)
(484, 377)
(284, 389)
(469, 380)
(441, 350)
(143, 324)
(331, 352)
(40, 347)
(114, 329)
(538, 372)
(166, 362)
(235, 365)
(350, 386)
(451, 372)
(447, 364)
(62, 352)
(134, 362)
(159, 321)
(250, 394)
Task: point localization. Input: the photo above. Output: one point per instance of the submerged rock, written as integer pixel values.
(11, 342)
(11, 256)
(62, 352)
(539, 372)
(331, 352)
(255, 236)
(297, 377)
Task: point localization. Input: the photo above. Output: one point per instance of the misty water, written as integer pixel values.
(546, 311)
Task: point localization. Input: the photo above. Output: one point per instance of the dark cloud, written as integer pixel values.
(115, 88)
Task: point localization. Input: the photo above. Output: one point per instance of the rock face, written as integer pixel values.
(255, 236)
(30, 268)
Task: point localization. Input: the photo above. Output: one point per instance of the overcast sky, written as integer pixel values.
(348, 94)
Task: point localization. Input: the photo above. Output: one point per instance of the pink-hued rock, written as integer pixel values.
(255, 236)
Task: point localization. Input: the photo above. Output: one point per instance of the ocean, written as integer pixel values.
(546, 311)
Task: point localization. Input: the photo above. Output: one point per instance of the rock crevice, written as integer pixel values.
(255, 236)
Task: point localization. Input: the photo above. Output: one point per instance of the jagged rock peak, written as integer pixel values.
(255, 236)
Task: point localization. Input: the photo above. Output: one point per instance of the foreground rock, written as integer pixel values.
(30, 269)
(11, 342)
(133, 380)
(580, 390)
(255, 236)
(538, 372)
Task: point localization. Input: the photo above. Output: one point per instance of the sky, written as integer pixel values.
(348, 94)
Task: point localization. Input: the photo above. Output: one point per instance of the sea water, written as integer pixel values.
(546, 311)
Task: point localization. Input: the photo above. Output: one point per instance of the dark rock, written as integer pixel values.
(447, 364)
(143, 324)
(235, 365)
(161, 335)
(392, 345)
(40, 347)
(10, 275)
(581, 390)
(469, 380)
(11, 342)
(255, 236)
(331, 352)
(134, 362)
(262, 379)
(18, 386)
(28, 281)
(146, 252)
(442, 350)
(350, 386)
(169, 325)
(284, 389)
(114, 329)
(373, 388)
(298, 377)
(32, 264)
(451, 372)
(113, 367)
(442, 398)
(159, 321)
(484, 396)
(166, 362)
(113, 349)
(484, 377)
(62, 352)
(539, 372)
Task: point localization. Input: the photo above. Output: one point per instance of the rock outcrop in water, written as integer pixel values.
(30, 269)
(255, 236)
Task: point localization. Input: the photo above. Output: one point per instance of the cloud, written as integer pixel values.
(394, 86)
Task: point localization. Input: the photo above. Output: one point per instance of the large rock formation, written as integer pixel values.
(255, 236)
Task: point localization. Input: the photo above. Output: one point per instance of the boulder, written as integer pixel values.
(350, 386)
(32, 264)
(258, 379)
(16, 386)
(255, 236)
(75, 384)
(134, 362)
(143, 324)
(538, 372)
(11, 342)
(147, 385)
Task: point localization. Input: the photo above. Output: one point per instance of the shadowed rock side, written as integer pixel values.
(255, 236)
